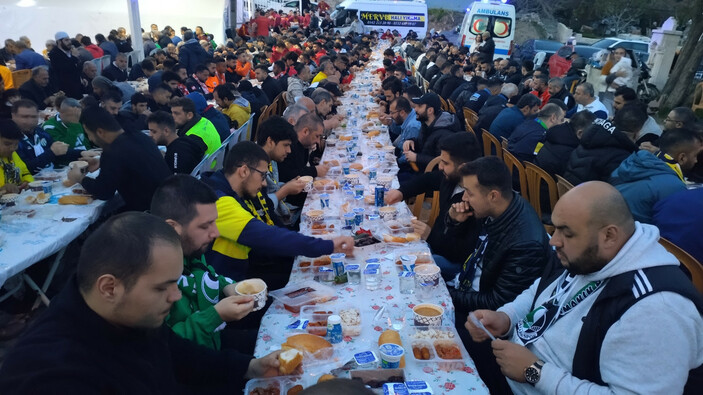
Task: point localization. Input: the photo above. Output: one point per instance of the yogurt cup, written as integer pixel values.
(390, 355)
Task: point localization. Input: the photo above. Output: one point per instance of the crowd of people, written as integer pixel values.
(178, 263)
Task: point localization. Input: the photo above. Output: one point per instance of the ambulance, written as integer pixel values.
(495, 17)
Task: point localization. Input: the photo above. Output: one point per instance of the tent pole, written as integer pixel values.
(135, 25)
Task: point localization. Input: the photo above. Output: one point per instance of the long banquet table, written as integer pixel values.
(385, 307)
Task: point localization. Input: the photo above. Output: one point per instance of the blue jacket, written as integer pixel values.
(506, 122)
(241, 232)
(410, 129)
(524, 139)
(29, 59)
(218, 119)
(643, 180)
(679, 218)
(42, 139)
(192, 54)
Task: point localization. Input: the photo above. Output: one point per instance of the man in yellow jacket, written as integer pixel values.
(14, 174)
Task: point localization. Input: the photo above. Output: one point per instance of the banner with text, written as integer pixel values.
(376, 18)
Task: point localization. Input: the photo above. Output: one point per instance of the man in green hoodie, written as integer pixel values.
(208, 301)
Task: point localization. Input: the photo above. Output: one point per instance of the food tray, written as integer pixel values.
(412, 342)
(375, 378)
(319, 315)
(303, 293)
(282, 383)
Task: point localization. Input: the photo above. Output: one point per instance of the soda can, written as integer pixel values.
(358, 215)
(325, 200)
(379, 194)
(372, 173)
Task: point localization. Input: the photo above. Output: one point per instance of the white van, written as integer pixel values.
(495, 17)
(400, 15)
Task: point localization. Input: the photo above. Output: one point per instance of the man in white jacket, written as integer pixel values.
(649, 350)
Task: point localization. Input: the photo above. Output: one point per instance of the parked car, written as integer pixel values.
(528, 49)
(639, 47)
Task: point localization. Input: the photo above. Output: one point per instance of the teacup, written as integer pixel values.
(81, 165)
(428, 314)
(308, 183)
(255, 287)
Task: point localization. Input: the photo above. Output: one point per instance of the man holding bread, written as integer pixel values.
(105, 333)
(209, 301)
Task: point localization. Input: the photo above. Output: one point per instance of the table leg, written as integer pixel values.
(49, 277)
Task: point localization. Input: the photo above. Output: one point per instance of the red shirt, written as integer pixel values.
(323, 6)
(305, 21)
(544, 97)
(262, 26)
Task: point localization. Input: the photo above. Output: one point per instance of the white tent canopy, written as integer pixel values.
(41, 19)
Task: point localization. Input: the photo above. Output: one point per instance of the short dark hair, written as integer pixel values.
(492, 174)
(402, 104)
(262, 66)
(163, 86)
(673, 140)
(94, 118)
(461, 147)
(528, 64)
(85, 40)
(392, 84)
(170, 76)
(122, 247)
(276, 128)
(138, 98)
(542, 77)
(185, 103)
(23, 103)
(631, 117)
(626, 92)
(582, 120)
(528, 100)
(224, 92)
(310, 120)
(9, 130)
(177, 196)
(244, 153)
(162, 118)
(413, 91)
(200, 68)
(318, 96)
(147, 64)
(113, 95)
(685, 115)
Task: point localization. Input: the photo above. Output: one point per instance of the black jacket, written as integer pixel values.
(184, 153)
(71, 349)
(133, 166)
(512, 255)
(271, 88)
(30, 90)
(131, 122)
(430, 72)
(192, 54)
(66, 72)
(488, 48)
(450, 85)
(486, 116)
(524, 139)
(427, 146)
(452, 241)
(113, 73)
(565, 97)
(297, 163)
(601, 150)
(560, 142)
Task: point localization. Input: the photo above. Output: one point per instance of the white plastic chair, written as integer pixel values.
(539, 59)
(212, 162)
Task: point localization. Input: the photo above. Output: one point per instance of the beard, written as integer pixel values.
(588, 262)
(422, 117)
(191, 250)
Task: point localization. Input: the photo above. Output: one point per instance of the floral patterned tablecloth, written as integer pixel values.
(381, 309)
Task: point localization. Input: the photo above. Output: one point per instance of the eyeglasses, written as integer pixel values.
(263, 174)
(671, 120)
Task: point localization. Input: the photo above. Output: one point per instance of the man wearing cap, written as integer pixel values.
(66, 67)
(436, 124)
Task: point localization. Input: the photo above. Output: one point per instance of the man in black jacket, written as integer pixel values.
(37, 88)
(436, 124)
(117, 70)
(191, 54)
(182, 153)
(449, 241)
(526, 136)
(105, 332)
(489, 46)
(131, 164)
(309, 129)
(66, 68)
(561, 141)
(512, 252)
(557, 90)
(604, 145)
(269, 85)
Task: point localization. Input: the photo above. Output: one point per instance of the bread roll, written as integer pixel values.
(310, 344)
(392, 337)
(289, 360)
(325, 377)
(75, 199)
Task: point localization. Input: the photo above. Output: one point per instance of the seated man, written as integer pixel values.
(324, 102)
(604, 145)
(14, 175)
(183, 153)
(584, 96)
(679, 218)
(65, 125)
(130, 164)
(160, 98)
(558, 91)
(244, 227)
(37, 89)
(276, 136)
(269, 85)
(232, 104)
(209, 301)
(117, 70)
(405, 119)
(574, 331)
(524, 141)
(208, 111)
(509, 118)
(125, 286)
(450, 241)
(644, 178)
(134, 119)
(512, 252)
(561, 140)
(625, 95)
(37, 149)
(189, 122)
(196, 82)
(309, 130)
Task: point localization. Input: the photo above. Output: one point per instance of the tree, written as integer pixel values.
(621, 17)
(679, 86)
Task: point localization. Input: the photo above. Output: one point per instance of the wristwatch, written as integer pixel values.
(532, 372)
